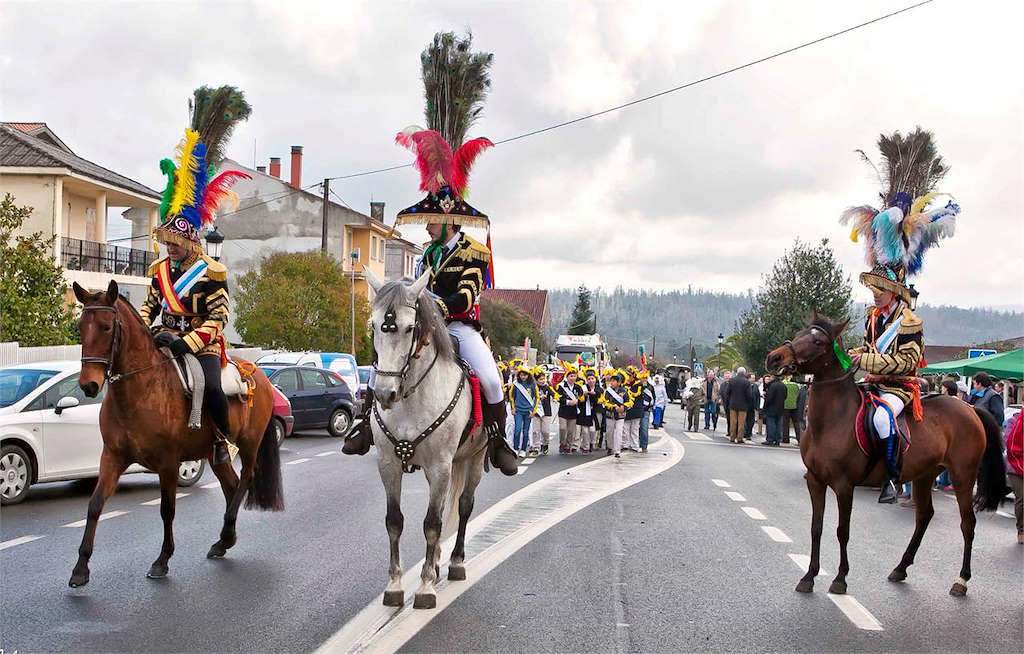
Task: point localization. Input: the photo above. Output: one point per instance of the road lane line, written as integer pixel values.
(848, 604)
(721, 483)
(327, 453)
(777, 534)
(21, 540)
(735, 497)
(156, 502)
(103, 516)
(212, 484)
(527, 461)
(296, 461)
(753, 513)
(521, 470)
(494, 536)
(695, 436)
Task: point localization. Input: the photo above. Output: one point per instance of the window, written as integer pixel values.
(312, 380)
(373, 247)
(382, 244)
(16, 383)
(66, 388)
(287, 381)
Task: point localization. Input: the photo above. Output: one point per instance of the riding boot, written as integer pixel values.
(890, 491)
(360, 437)
(501, 455)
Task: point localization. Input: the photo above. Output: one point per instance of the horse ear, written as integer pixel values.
(372, 279)
(80, 293)
(417, 286)
(111, 297)
(839, 328)
(814, 316)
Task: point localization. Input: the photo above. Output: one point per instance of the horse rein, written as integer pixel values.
(108, 361)
(800, 362)
(390, 326)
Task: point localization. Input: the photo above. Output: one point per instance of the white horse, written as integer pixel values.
(422, 418)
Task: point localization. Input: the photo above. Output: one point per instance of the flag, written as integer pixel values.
(489, 273)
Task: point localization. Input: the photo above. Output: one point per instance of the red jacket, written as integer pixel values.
(1015, 445)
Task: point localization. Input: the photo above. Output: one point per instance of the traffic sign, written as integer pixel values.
(976, 352)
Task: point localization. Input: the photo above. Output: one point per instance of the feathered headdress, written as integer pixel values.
(192, 194)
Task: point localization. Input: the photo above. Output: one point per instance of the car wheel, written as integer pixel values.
(15, 474)
(339, 423)
(189, 472)
(277, 427)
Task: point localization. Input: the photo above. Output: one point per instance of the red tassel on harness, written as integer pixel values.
(478, 411)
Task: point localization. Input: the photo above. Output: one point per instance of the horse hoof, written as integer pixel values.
(157, 572)
(456, 573)
(897, 575)
(394, 597)
(805, 586)
(217, 551)
(78, 579)
(958, 590)
(837, 588)
(424, 601)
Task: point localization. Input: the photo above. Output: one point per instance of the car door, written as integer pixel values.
(72, 443)
(288, 382)
(314, 395)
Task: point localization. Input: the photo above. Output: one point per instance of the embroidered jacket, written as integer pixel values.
(198, 314)
(458, 280)
(892, 350)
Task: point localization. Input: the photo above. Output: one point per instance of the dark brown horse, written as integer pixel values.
(952, 435)
(143, 420)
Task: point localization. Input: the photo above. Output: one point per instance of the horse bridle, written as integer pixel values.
(801, 362)
(390, 326)
(115, 342)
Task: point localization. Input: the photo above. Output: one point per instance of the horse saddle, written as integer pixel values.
(868, 438)
(190, 374)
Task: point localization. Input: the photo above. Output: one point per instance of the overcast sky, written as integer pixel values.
(706, 187)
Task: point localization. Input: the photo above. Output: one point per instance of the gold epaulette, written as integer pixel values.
(474, 251)
(153, 267)
(215, 270)
(911, 323)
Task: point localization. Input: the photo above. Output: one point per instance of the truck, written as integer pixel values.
(590, 348)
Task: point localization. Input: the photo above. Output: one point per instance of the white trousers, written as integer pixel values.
(476, 353)
(632, 436)
(614, 434)
(588, 436)
(881, 417)
(540, 433)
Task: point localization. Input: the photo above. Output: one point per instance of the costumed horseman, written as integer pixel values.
(460, 269)
(189, 290)
(895, 240)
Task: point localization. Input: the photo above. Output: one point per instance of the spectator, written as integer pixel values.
(1015, 469)
(694, 398)
(724, 401)
(647, 397)
(660, 401)
(712, 390)
(789, 412)
(753, 403)
(948, 388)
(774, 407)
(801, 409)
(738, 400)
(983, 396)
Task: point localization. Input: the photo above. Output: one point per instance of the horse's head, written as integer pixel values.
(100, 330)
(405, 322)
(811, 351)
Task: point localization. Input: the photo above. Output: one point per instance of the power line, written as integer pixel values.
(674, 89)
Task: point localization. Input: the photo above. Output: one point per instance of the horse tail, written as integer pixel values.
(266, 492)
(992, 473)
(450, 523)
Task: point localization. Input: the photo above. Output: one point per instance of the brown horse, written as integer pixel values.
(143, 420)
(952, 435)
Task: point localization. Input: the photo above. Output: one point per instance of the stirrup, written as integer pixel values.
(888, 493)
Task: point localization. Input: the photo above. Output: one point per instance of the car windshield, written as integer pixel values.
(364, 375)
(343, 366)
(16, 383)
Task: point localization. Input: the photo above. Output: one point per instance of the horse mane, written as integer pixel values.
(428, 315)
(131, 309)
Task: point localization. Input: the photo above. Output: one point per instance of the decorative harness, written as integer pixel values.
(115, 343)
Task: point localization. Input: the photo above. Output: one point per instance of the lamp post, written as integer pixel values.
(354, 256)
(214, 243)
(721, 342)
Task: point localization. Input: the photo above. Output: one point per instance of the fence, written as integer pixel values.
(11, 353)
(77, 254)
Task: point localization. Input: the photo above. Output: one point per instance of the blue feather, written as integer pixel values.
(888, 239)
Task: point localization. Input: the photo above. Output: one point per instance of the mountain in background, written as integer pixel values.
(666, 321)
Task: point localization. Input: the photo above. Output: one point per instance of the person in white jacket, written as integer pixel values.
(660, 402)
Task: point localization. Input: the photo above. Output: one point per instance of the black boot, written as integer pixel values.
(220, 450)
(360, 437)
(890, 489)
(501, 455)
(888, 494)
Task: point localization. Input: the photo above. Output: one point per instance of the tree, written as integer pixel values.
(910, 163)
(730, 358)
(804, 280)
(301, 301)
(34, 309)
(215, 113)
(582, 321)
(507, 327)
(456, 82)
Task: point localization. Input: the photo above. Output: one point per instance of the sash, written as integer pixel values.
(615, 396)
(889, 335)
(568, 392)
(172, 293)
(522, 389)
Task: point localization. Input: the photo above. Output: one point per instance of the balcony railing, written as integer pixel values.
(76, 254)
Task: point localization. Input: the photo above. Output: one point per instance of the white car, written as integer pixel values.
(341, 363)
(50, 431)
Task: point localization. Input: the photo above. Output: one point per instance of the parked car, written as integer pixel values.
(49, 430)
(319, 398)
(365, 375)
(339, 362)
(282, 422)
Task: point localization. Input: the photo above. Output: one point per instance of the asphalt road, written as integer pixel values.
(669, 564)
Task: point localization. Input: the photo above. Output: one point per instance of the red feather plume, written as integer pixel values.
(433, 157)
(218, 189)
(463, 161)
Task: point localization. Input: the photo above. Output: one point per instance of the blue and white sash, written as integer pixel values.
(615, 396)
(527, 395)
(188, 280)
(883, 342)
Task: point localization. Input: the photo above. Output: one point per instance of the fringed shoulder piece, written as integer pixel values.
(215, 270)
(473, 250)
(911, 323)
(153, 267)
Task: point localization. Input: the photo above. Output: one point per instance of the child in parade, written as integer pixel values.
(647, 397)
(569, 390)
(633, 387)
(616, 401)
(524, 398)
(586, 420)
(543, 417)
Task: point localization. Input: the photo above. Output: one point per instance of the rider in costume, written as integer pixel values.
(895, 240)
(189, 290)
(460, 269)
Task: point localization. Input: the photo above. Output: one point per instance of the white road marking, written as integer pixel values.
(527, 461)
(156, 502)
(103, 516)
(695, 436)
(497, 534)
(327, 453)
(753, 513)
(735, 497)
(721, 483)
(296, 461)
(212, 484)
(521, 470)
(622, 625)
(21, 540)
(848, 604)
(777, 534)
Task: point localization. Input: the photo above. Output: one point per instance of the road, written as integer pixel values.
(696, 546)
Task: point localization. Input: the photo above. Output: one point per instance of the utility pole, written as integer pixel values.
(323, 232)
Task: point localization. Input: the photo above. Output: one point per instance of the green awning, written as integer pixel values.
(1002, 365)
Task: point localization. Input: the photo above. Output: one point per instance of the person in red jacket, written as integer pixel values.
(1015, 469)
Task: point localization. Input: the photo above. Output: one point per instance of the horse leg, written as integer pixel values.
(168, 497)
(228, 535)
(844, 500)
(438, 477)
(923, 512)
(963, 483)
(226, 475)
(110, 471)
(391, 476)
(816, 490)
(475, 470)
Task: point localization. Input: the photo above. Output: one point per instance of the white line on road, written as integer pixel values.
(694, 436)
(753, 513)
(777, 534)
(21, 540)
(103, 516)
(848, 604)
(527, 461)
(212, 484)
(156, 502)
(327, 453)
(735, 497)
(296, 461)
(721, 483)
(521, 470)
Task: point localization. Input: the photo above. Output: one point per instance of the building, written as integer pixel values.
(532, 302)
(400, 259)
(70, 197)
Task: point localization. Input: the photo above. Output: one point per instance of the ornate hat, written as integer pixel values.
(444, 176)
(896, 239)
(192, 194)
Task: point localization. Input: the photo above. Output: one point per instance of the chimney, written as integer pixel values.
(296, 166)
(261, 169)
(275, 167)
(377, 211)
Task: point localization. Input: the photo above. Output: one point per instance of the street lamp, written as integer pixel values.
(721, 342)
(214, 243)
(354, 256)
